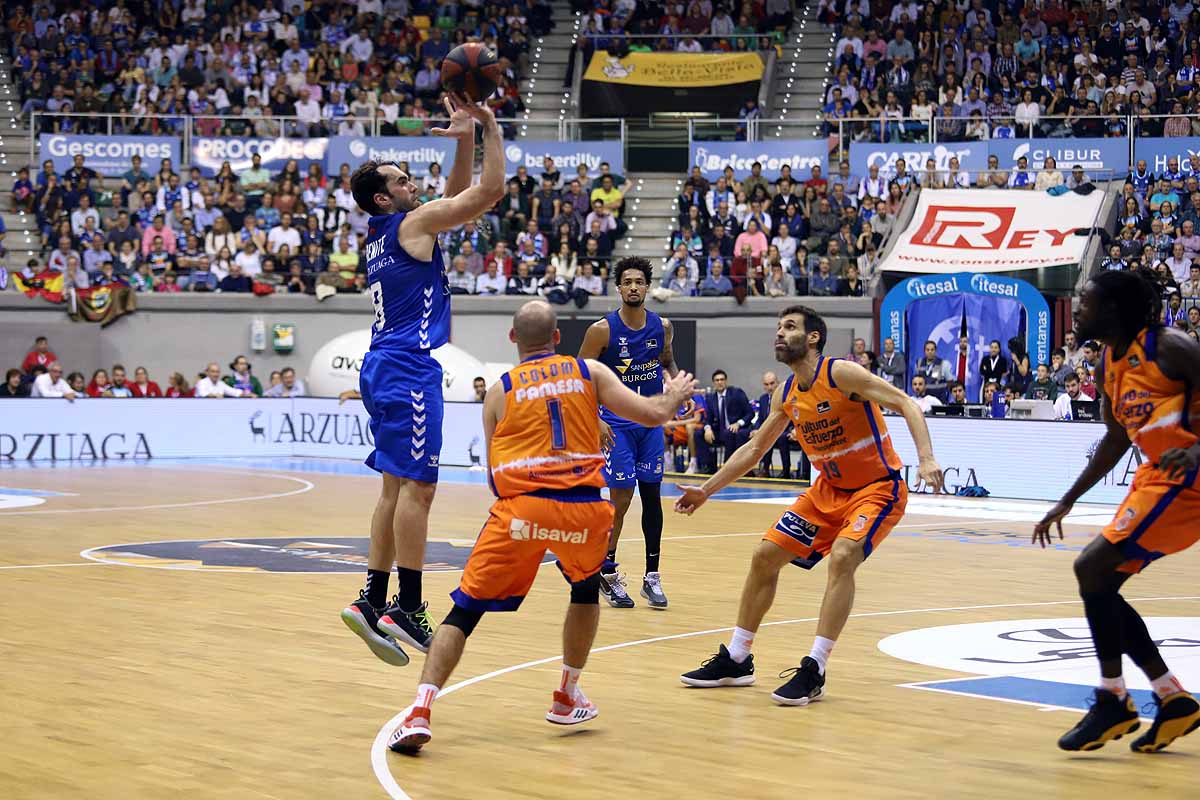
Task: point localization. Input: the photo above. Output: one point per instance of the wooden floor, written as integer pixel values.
(200, 677)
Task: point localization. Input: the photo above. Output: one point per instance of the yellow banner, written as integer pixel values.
(678, 70)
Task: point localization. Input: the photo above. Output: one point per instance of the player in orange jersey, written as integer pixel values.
(852, 505)
(545, 466)
(1148, 374)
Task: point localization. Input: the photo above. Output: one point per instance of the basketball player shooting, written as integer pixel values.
(400, 382)
(636, 345)
(850, 508)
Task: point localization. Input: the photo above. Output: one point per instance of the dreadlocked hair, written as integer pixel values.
(1136, 295)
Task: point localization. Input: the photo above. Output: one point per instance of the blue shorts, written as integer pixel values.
(636, 455)
(402, 391)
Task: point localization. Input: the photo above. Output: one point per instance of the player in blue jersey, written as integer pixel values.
(636, 345)
(400, 382)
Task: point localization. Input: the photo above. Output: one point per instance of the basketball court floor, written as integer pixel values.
(170, 629)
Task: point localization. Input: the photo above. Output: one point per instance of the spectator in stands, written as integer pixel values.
(552, 287)
(177, 386)
(716, 284)
(210, 385)
(1059, 368)
(958, 394)
(289, 385)
(753, 239)
(51, 384)
(41, 354)
(99, 383)
(1071, 393)
(850, 285)
(1019, 373)
(924, 400)
(823, 283)
(460, 280)
(241, 377)
(890, 365)
(523, 283)
(491, 282)
(779, 282)
(118, 387)
(1191, 287)
(1042, 387)
(235, 281)
(936, 371)
(993, 366)
(142, 386)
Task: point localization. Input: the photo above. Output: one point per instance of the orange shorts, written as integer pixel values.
(505, 560)
(1157, 518)
(678, 435)
(824, 514)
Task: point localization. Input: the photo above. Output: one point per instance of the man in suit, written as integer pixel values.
(994, 365)
(892, 366)
(762, 408)
(730, 417)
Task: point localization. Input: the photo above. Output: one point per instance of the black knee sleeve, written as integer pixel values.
(1135, 639)
(586, 591)
(1103, 611)
(652, 522)
(464, 619)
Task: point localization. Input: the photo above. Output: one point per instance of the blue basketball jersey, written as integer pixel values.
(411, 297)
(634, 357)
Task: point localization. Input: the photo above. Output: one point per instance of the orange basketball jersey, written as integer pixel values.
(549, 437)
(1155, 410)
(846, 439)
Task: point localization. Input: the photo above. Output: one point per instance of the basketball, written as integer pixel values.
(471, 70)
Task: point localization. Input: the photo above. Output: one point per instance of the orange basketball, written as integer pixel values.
(471, 70)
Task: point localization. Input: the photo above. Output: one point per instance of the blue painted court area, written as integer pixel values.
(1029, 690)
(14, 492)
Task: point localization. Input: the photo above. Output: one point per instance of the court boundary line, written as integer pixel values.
(379, 749)
(45, 566)
(305, 486)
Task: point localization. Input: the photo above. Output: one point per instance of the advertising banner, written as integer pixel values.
(972, 156)
(100, 429)
(800, 155)
(567, 156)
(209, 152)
(1158, 151)
(1091, 154)
(418, 151)
(1002, 321)
(957, 229)
(643, 83)
(110, 156)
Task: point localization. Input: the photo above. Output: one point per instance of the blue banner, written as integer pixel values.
(1091, 154)
(938, 319)
(530, 153)
(209, 152)
(988, 318)
(801, 156)
(1157, 151)
(893, 318)
(109, 155)
(972, 156)
(418, 151)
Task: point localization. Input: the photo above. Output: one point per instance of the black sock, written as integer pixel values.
(610, 563)
(409, 588)
(1103, 610)
(652, 522)
(377, 586)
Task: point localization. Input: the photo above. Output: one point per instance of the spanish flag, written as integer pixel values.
(48, 284)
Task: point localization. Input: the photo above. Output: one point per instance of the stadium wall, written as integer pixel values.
(172, 332)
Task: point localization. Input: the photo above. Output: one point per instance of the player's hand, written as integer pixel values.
(753, 432)
(929, 472)
(607, 440)
(689, 407)
(1178, 461)
(479, 111)
(461, 122)
(1041, 531)
(692, 498)
(709, 436)
(680, 387)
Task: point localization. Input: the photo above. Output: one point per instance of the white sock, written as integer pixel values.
(740, 644)
(570, 680)
(1167, 684)
(821, 649)
(1114, 685)
(426, 694)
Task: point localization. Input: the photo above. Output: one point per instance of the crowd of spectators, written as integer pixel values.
(41, 374)
(301, 231)
(795, 235)
(980, 69)
(328, 67)
(622, 26)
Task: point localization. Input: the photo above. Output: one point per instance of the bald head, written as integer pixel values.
(534, 325)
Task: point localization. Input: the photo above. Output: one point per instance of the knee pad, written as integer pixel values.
(464, 619)
(586, 591)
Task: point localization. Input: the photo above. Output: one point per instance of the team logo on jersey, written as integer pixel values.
(822, 407)
(1123, 521)
(652, 344)
(861, 522)
(1134, 361)
(525, 531)
(622, 340)
(624, 366)
(625, 355)
(797, 527)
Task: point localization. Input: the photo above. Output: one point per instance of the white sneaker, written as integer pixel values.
(571, 711)
(652, 590)
(412, 733)
(692, 468)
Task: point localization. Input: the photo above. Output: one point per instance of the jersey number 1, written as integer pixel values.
(558, 434)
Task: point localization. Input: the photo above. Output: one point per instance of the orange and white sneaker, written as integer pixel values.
(567, 710)
(412, 734)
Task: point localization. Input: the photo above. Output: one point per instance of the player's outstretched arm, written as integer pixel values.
(742, 461)
(442, 215)
(462, 130)
(852, 379)
(652, 410)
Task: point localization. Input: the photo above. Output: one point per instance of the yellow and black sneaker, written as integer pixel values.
(1178, 715)
(1109, 718)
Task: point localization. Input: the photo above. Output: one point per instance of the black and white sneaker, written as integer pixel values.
(652, 590)
(414, 628)
(806, 685)
(361, 618)
(612, 586)
(721, 670)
